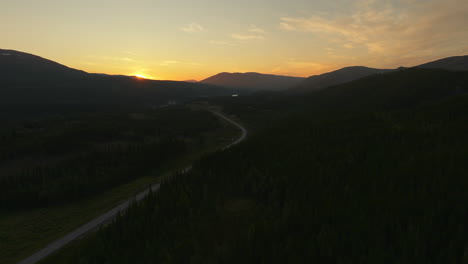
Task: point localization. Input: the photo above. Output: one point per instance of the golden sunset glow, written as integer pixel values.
(177, 40)
(141, 76)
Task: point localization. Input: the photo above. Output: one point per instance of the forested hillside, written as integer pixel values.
(373, 171)
(400, 89)
(56, 161)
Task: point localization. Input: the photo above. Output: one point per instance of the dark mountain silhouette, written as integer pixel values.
(340, 76)
(408, 88)
(253, 81)
(348, 74)
(29, 81)
(20, 66)
(397, 89)
(457, 63)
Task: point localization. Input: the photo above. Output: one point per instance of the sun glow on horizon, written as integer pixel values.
(141, 76)
(176, 40)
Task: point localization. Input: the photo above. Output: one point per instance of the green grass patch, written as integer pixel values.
(23, 233)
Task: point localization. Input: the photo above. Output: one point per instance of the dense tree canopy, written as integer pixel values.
(339, 182)
(56, 161)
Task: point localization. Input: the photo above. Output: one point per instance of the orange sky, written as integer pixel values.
(181, 39)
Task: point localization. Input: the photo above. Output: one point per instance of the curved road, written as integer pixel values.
(244, 131)
(108, 216)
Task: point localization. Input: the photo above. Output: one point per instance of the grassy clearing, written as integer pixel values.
(22, 233)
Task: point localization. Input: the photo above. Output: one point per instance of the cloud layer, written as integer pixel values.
(392, 30)
(253, 33)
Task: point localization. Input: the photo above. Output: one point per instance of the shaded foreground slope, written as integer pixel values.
(329, 184)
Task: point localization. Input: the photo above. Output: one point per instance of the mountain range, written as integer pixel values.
(457, 63)
(340, 76)
(29, 81)
(253, 81)
(256, 81)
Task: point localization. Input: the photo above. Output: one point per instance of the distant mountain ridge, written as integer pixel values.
(30, 82)
(348, 74)
(457, 63)
(29, 79)
(340, 76)
(16, 64)
(253, 81)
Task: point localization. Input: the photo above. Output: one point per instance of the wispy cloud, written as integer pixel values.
(390, 30)
(116, 59)
(130, 53)
(175, 62)
(246, 36)
(222, 43)
(348, 45)
(126, 59)
(253, 33)
(89, 63)
(255, 29)
(192, 28)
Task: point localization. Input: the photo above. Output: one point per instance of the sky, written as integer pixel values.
(187, 39)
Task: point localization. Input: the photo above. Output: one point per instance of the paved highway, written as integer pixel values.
(244, 131)
(107, 217)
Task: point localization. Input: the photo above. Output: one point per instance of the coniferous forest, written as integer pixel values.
(234, 132)
(56, 161)
(373, 171)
